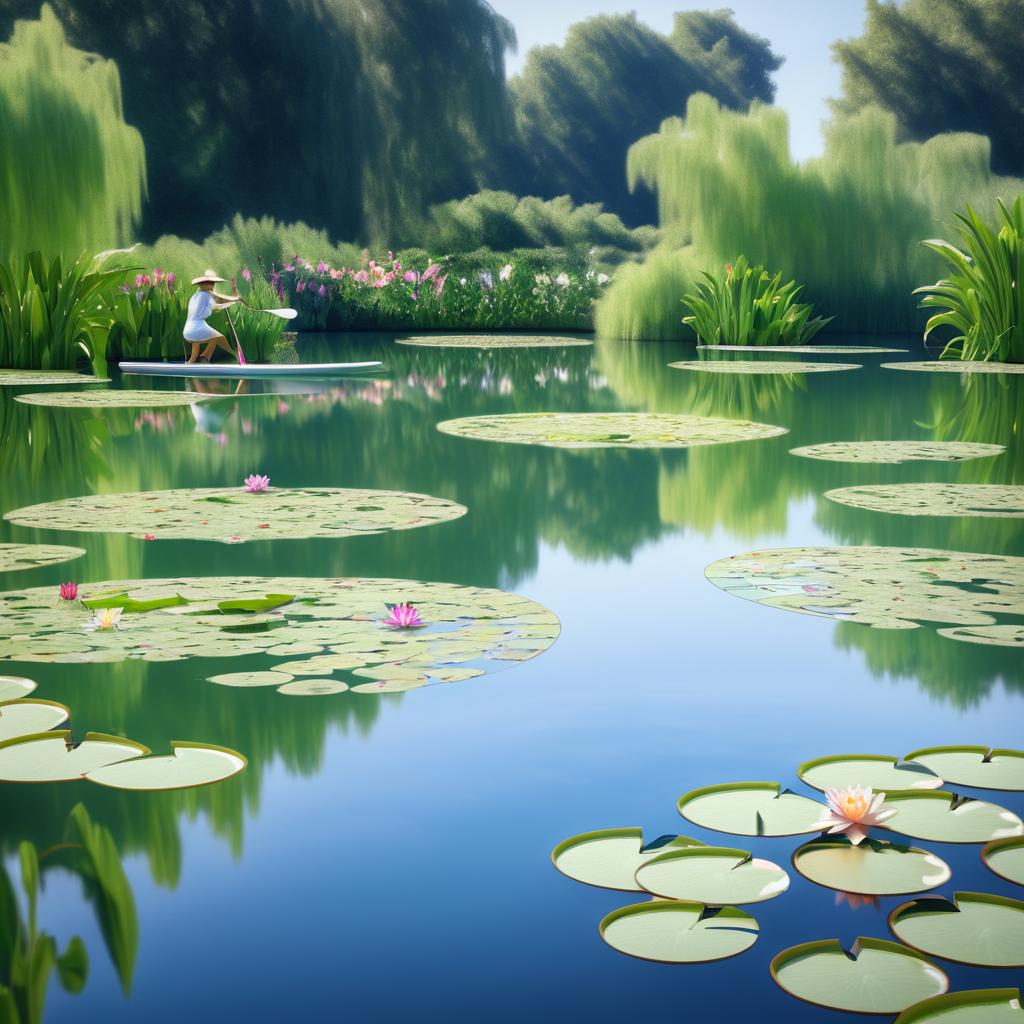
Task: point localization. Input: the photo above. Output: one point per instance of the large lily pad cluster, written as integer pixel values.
(492, 341)
(608, 430)
(693, 916)
(233, 515)
(759, 366)
(993, 500)
(971, 597)
(15, 557)
(320, 636)
(896, 452)
(21, 378)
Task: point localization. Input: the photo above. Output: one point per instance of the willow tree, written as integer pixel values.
(72, 173)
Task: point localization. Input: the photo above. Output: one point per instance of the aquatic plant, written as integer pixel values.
(744, 305)
(854, 810)
(255, 484)
(403, 616)
(105, 618)
(982, 300)
(69, 591)
(148, 318)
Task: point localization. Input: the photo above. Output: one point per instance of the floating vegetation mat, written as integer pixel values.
(15, 557)
(232, 515)
(952, 366)
(888, 588)
(312, 627)
(991, 500)
(756, 366)
(105, 399)
(17, 378)
(875, 976)
(823, 350)
(492, 341)
(608, 430)
(895, 452)
(973, 1006)
(872, 868)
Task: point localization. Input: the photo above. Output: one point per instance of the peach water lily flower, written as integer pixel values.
(254, 483)
(854, 810)
(105, 618)
(403, 616)
(68, 591)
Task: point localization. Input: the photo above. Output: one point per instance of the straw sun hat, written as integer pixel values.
(208, 275)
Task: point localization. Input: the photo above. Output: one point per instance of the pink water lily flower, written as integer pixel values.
(403, 616)
(254, 483)
(854, 810)
(68, 591)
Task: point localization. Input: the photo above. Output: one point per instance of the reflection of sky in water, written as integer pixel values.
(398, 859)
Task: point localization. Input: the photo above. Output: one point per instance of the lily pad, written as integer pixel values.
(990, 500)
(247, 679)
(975, 928)
(954, 366)
(896, 452)
(609, 858)
(15, 557)
(975, 1006)
(105, 399)
(978, 767)
(875, 976)
(752, 809)
(888, 588)
(51, 757)
(839, 350)
(18, 378)
(874, 770)
(872, 868)
(673, 932)
(759, 366)
(492, 341)
(15, 687)
(995, 636)
(942, 817)
(312, 688)
(191, 764)
(608, 429)
(231, 514)
(1006, 858)
(25, 717)
(390, 686)
(713, 875)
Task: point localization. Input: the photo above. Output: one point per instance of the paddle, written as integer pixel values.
(285, 312)
(234, 334)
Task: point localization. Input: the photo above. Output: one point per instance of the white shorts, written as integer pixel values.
(199, 330)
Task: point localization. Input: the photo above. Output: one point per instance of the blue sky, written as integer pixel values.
(802, 31)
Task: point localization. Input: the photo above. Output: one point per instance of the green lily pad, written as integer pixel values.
(995, 636)
(874, 977)
(608, 429)
(990, 500)
(15, 557)
(102, 398)
(752, 809)
(975, 928)
(978, 767)
(870, 770)
(975, 1006)
(673, 932)
(609, 858)
(1006, 858)
(839, 350)
(954, 366)
(25, 717)
(759, 366)
(191, 764)
(896, 452)
(491, 341)
(231, 514)
(713, 875)
(15, 687)
(50, 757)
(888, 588)
(246, 679)
(389, 686)
(343, 619)
(17, 378)
(312, 688)
(872, 868)
(942, 817)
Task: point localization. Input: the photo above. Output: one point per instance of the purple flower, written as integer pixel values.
(170, 279)
(255, 483)
(140, 294)
(322, 291)
(126, 288)
(322, 268)
(300, 286)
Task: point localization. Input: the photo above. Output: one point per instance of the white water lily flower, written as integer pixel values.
(105, 618)
(562, 280)
(854, 810)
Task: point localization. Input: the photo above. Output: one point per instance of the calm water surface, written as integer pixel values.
(385, 857)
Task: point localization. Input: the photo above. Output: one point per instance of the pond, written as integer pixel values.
(383, 852)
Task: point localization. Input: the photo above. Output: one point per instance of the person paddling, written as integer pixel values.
(200, 306)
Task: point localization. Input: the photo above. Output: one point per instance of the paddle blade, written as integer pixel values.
(285, 313)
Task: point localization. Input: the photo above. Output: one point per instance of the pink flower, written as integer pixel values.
(300, 286)
(170, 279)
(854, 810)
(68, 591)
(142, 280)
(254, 483)
(361, 277)
(439, 285)
(431, 271)
(322, 268)
(322, 291)
(403, 616)
(149, 536)
(247, 275)
(409, 277)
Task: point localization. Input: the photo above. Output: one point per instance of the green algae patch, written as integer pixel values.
(608, 430)
(16, 557)
(759, 366)
(492, 341)
(897, 452)
(990, 500)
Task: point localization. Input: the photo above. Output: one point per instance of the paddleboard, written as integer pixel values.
(232, 371)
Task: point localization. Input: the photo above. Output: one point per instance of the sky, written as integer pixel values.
(802, 31)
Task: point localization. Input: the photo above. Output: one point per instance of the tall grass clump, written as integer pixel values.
(72, 173)
(744, 305)
(982, 299)
(846, 224)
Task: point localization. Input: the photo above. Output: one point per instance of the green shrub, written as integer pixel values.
(982, 299)
(743, 305)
